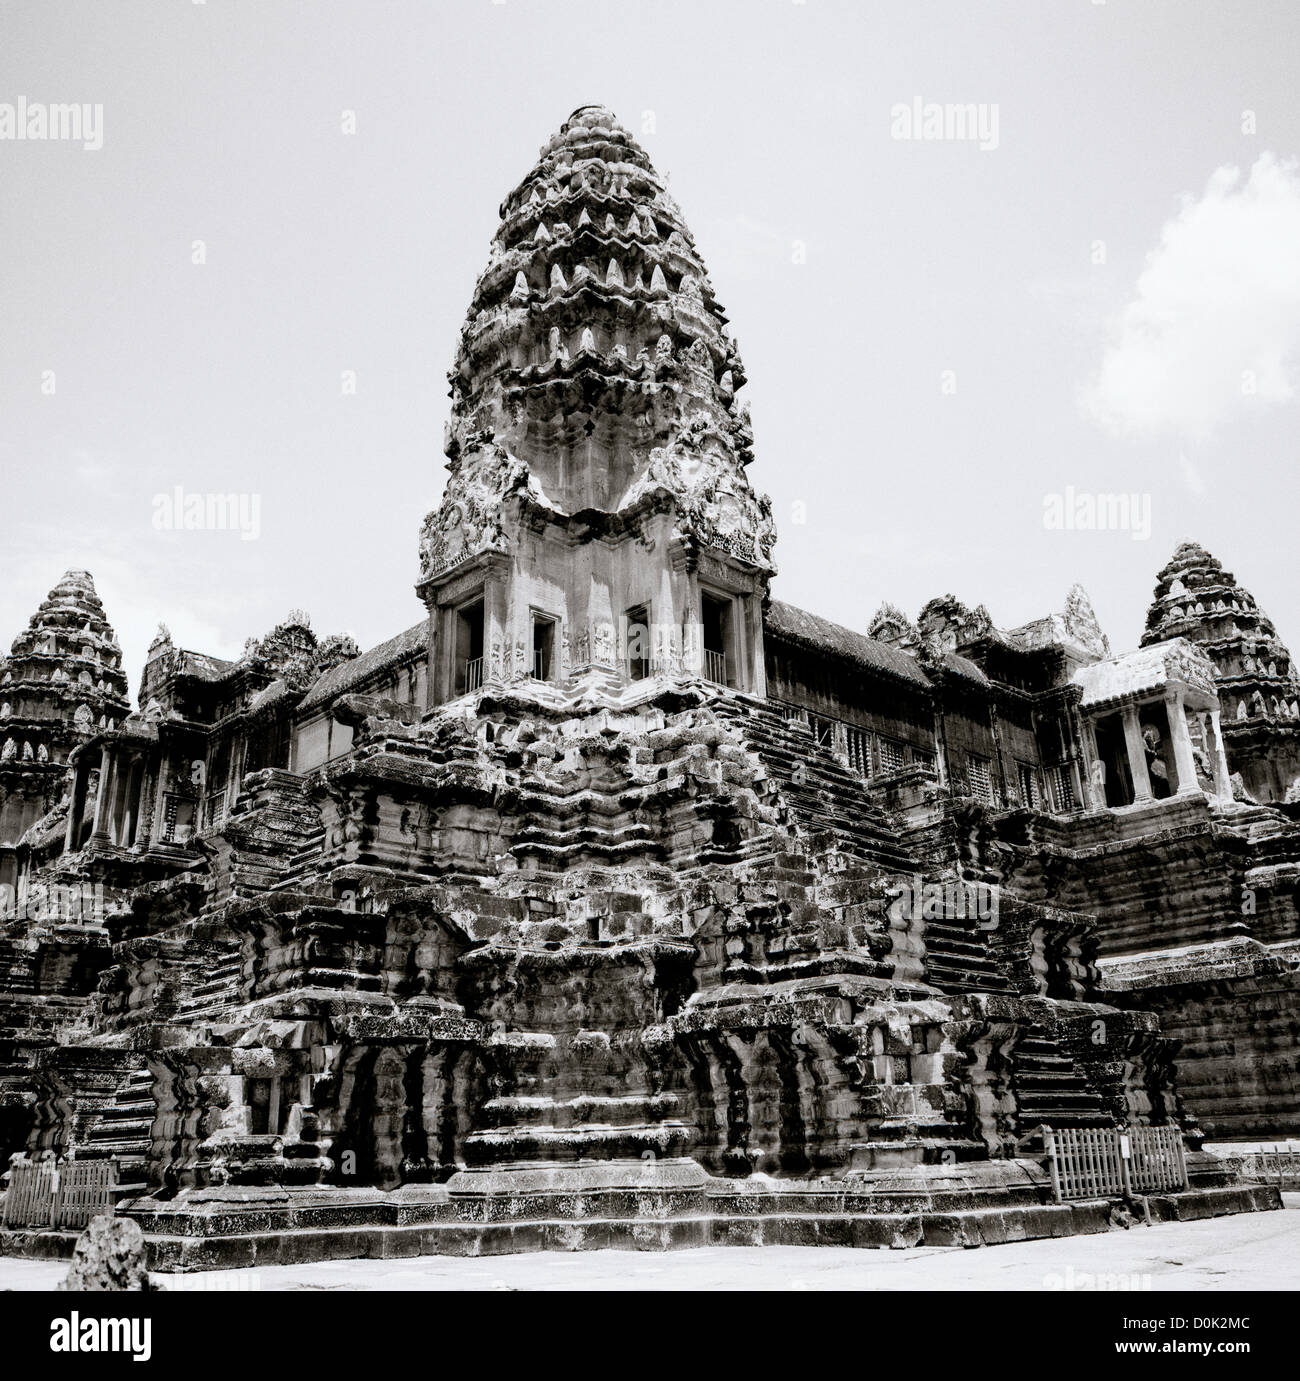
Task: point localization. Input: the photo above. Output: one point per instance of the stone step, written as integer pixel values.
(583, 1141)
(630, 1110)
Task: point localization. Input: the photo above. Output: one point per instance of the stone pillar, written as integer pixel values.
(103, 801)
(126, 816)
(161, 780)
(665, 623)
(1137, 754)
(1093, 782)
(685, 646)
(76, 806)
(601, 621)
(1219, 759)
(756, 682)
(1184, 762)
(498, 647)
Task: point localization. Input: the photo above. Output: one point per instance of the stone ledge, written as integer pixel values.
(170, 1252)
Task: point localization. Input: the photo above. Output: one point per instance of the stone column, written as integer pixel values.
(1094, 797)
(664, 623)
(1222, 776)
(601, 620)
(162, 779)
(1137, 754)
(103, 798)
(1184, 762)
(126, 815)
(76, 805)
(498, 647)
(756, 683)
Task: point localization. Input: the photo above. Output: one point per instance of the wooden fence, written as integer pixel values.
(64, 1194)
(1114, 1162)
(1273, 1165)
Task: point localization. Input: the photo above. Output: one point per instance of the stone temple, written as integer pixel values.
(614, 902)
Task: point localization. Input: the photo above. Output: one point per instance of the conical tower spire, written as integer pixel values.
(595, 353)
(595, 385)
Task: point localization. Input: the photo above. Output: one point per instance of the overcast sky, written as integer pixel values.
(939, 336)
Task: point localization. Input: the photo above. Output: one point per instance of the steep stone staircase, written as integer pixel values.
(218, 990)
(1050, 1090)
(123, 1128)
(826, 801)
(957, 959)
(595, 1117)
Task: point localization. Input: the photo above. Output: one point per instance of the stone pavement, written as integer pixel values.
(1251, 1251)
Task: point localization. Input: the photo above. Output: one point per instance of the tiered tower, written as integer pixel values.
(1196, 598)
(595, 420)
(62, 682)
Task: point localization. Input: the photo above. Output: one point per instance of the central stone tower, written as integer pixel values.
(598, 518)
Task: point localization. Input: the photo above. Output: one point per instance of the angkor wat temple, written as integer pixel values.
(614, 902)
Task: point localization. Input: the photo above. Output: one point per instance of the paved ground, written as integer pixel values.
(1252, 1251)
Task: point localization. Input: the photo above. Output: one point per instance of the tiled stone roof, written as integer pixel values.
(798, 625)
(356, 672)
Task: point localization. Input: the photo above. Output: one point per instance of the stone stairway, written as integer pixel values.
(582, 1127)
(826, 801)
(580, 822)
(1050, 1090)
(219, 990)
(303, 858)
(123, 1129)
(601, 1111)
(17, 974)
(957, 959)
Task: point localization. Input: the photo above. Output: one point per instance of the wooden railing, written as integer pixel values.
(473, 674)
(715, 666)
(1114, 1162)
(62, 1194)
(1273, 1165)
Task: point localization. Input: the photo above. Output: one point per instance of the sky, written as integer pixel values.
(255, 283)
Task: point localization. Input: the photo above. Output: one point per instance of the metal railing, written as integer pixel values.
(715, 666)
(1114, 1162)
(473, 674)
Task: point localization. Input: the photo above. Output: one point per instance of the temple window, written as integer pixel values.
(638, 642)
(980, 777)
(178, 818)
(1027, 781)
(214, 806)
(468, 673)
(823, 729)
(858, 747)
(543, 646)
(891, 755)
(266, 1109)
(715, 612)
(1060, 784)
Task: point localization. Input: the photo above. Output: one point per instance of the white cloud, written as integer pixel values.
(1215, 322)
